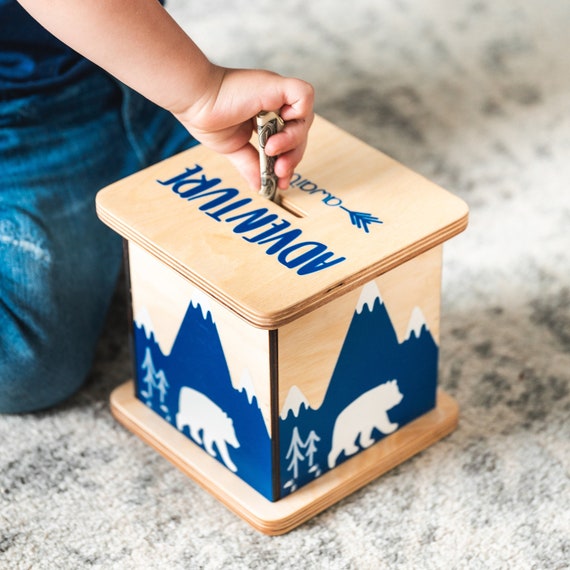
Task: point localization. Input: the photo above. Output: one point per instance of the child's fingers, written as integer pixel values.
(299, 97)
(285, 165)
(289, 145)
(246, 160)
(294, 135)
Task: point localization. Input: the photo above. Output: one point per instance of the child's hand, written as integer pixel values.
(147, 50)
(223, 119)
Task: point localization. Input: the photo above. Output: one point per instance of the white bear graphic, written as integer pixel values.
(198, 412)
(361, 416)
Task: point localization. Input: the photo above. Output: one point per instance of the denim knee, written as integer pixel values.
(54, 298)
(48, 338)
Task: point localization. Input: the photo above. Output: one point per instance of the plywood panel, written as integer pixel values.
(310, 346)
(160, 298)
(196, 214)
(414, 284)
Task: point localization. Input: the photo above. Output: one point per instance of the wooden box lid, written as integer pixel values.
(351, 214)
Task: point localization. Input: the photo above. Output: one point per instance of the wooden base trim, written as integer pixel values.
(286, 514)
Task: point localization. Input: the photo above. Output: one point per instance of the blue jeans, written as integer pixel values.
(58, 263)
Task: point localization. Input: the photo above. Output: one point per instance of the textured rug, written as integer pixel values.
(474, 95)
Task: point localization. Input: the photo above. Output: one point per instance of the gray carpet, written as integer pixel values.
(475, 95)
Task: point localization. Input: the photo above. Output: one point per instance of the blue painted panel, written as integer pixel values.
(378, 385)
(191, 389)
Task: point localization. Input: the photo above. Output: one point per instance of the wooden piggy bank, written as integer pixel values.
(285, 354)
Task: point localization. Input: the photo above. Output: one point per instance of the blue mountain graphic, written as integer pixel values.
(371, 355)
(197, 361)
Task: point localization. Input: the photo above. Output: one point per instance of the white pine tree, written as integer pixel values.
(162, 384)
(295, 453)
(311, 446)
(148, 379)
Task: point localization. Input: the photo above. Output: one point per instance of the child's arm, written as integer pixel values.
(139, 43)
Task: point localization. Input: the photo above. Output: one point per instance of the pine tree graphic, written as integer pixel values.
(148, 366)
(311, 446)
(300, 451)
(161, 384)
(295, 453)
(154, 380)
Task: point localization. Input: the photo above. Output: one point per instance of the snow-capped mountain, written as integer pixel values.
(197, 361)
(371, 355)
(295, 399)
(246, 384)
(200, 299)
(143, 320)
(417, 321)
(368, 296)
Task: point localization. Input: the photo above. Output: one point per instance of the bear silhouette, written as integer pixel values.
(199, 413)
(361, 417)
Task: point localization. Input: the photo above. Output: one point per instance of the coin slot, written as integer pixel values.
(292, 208)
